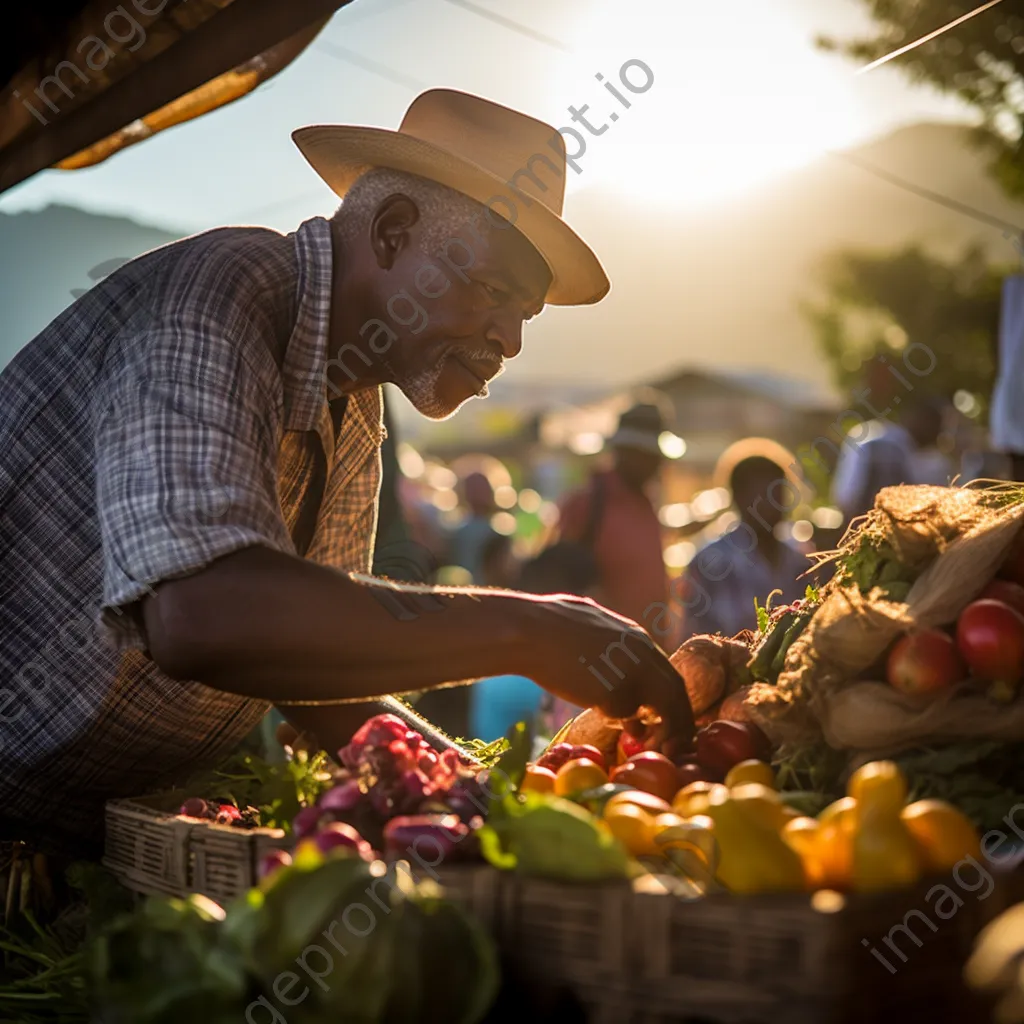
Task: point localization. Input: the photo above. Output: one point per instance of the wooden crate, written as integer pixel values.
(152, 851)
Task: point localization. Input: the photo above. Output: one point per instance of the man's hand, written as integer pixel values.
(595, 658)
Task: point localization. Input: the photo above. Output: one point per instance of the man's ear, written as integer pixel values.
(390, 228)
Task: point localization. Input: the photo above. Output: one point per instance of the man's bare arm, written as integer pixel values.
(268, 625)
(271, 626)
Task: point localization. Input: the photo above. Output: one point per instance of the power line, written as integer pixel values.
(926, 193)
(514, 26)
(928, 38)
(382, 70)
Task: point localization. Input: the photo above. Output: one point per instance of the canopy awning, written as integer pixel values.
(85, 80)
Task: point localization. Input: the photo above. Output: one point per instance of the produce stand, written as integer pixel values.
(647, 957)
(817, 855)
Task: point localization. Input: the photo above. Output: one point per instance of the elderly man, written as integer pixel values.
(190, 467)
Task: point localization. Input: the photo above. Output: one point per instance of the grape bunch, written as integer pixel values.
(393, 786)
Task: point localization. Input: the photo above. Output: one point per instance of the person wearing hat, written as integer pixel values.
(191, 462)
(614, 514)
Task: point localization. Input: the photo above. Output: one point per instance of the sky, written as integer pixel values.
(739, 94)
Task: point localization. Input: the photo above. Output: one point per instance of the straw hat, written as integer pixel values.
(506, 160)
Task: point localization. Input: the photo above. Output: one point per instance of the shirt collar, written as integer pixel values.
(304, 369)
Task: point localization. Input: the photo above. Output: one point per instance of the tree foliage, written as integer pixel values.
(981, 61)
(877, 304)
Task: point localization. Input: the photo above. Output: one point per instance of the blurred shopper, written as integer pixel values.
(475, 532)
(1007, 415)
(718, 589)
(883, 453)
(614, 515)
(498, 703)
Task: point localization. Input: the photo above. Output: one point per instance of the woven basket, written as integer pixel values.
(643, 958)
(633, 958)
(151, 851)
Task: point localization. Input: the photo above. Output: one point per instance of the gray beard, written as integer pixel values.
(421, 388)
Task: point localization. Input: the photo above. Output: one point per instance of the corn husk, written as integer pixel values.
(831, 686)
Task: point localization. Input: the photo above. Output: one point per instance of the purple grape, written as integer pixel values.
(449, 836)
(341, 798)
(272, 860)
(415, 787)
(379, 731)
(337, 835)
(306, 821)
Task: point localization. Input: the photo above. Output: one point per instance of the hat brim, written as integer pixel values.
(341, 153)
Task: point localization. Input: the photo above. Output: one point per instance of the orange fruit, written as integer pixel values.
(650, 771)
(944, 835)
(750, 771)
(633, 827)
(647, 802)
(538, 780)
(801, 834)
(579, 774)
(843, 812)
(879, 784)
(761, 802)
(833, 855)
(696, 798)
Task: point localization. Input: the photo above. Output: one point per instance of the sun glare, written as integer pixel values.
(739, 94)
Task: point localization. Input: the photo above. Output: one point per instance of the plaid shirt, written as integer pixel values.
(175, 413)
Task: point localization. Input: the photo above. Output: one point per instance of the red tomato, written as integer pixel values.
(721, 745)
(697, 773)
(586, 751)
(1013, 567)
(554, 757)
(924, 662)
(990, 636)
(1005, 591)
(628, 746)
(649, 772)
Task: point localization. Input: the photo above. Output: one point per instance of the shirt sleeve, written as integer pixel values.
(187, 437)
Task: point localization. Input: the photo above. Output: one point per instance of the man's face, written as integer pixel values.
(470, 320)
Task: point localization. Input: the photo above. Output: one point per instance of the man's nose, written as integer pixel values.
(507, 332)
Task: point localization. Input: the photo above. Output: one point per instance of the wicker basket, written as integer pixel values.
(151, 851)
(633, 958)
(642, 958)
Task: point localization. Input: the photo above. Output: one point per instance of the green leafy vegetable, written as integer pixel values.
(763, 617)
(549, 837)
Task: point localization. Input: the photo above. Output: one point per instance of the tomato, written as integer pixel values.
(647, 802)
(580, 774)
(696, 798)
(633, 828)
(1013, 567)
(538, 780)
(925, 661)
(555, 756)
(750, 771)
(1005, 591)
(650, 771)
(688, 773)
(944, 835)
(990, 636)
(762, 804)
(721, 745)
(878, 784)
(627, 747)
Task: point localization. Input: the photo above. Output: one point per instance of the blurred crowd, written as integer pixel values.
(677, 568)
